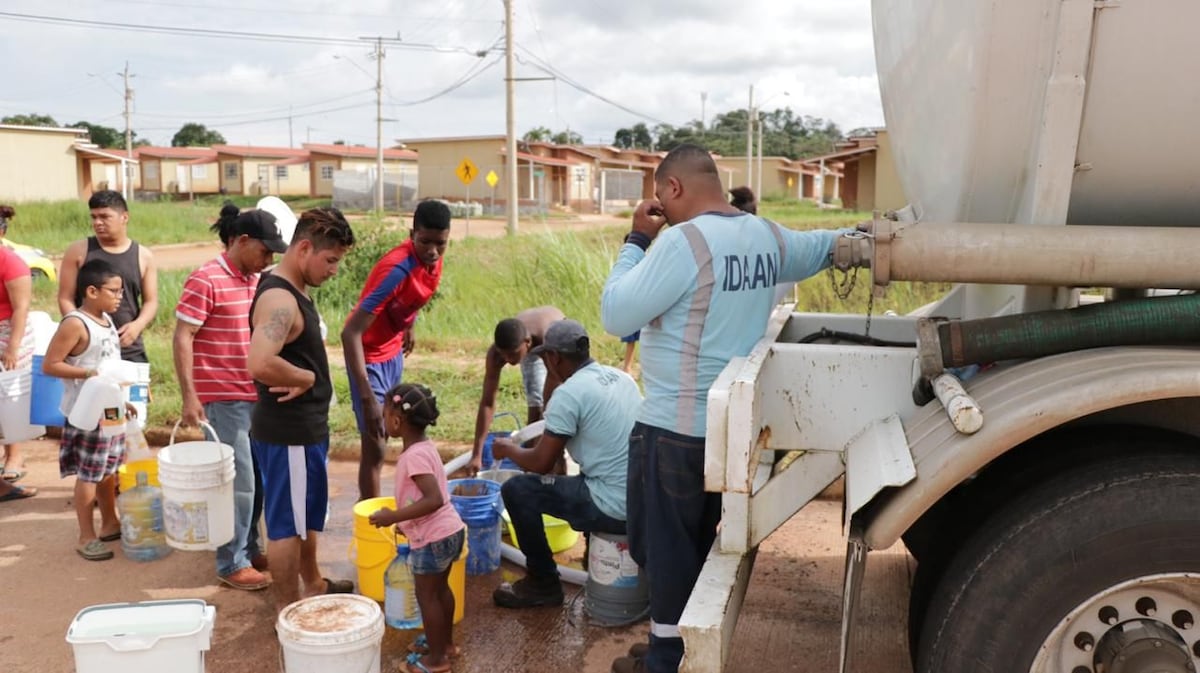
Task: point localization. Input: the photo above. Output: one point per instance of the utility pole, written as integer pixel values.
(758, 177)
(379, 126)
(510, 121)
(703, 123)
(750, 139)
(126, 190)
(291, 143)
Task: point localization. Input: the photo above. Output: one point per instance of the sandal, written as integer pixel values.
(95, 551)
(421, 646)
(413, 664)
(111, 537)
(14, 475)
(19, 492)
(338, 586)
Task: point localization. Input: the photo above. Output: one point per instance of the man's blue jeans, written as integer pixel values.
(231, 420)
(672, 526)
(528, 496)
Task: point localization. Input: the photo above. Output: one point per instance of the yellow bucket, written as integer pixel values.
(559, 533)
(127, 474)
(372, 549)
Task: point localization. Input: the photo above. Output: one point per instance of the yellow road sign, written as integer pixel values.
(492, 178)
(466, 171)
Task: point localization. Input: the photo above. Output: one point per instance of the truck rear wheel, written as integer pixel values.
(1097, 569)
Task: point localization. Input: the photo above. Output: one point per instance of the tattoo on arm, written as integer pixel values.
(278, 325)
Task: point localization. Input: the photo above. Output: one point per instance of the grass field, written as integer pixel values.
(486, 280)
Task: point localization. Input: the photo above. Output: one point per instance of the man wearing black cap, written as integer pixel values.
(212, 341)
(590, 417)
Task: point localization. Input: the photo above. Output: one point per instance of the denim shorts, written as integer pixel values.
(435, 557)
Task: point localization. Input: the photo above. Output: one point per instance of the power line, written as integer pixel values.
(244, 113)
(219, 34)
(270, 119)
(546, 67)
(295, 12)
(462, 81)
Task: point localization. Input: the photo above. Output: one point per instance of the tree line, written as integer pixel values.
(784, 133)
(190, 134)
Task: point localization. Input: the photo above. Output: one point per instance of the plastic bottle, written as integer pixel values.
(400, 609)
(142, 534)
(100, 403)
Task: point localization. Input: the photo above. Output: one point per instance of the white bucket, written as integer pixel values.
(146, 637)
(616, 592)
(16, 392)
(331, 633)
(197, 484)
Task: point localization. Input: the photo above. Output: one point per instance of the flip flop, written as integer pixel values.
(421, 646)
(111, 537)
(18, 493)
(338, 586)
(413, 664)
(14, 475)
(94, 551)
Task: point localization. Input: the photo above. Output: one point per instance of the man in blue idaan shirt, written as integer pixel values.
(701, 296)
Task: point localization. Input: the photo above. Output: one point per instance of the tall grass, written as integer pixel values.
(52, 225)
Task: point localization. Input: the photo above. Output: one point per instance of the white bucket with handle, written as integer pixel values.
(197, 484)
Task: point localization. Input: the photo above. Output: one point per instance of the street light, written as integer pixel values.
(758, 182)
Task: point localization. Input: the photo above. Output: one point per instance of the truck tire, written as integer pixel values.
(1093, 570)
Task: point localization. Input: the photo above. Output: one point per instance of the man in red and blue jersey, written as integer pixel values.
(378, 332)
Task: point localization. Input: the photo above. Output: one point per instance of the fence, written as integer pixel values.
(355, 190)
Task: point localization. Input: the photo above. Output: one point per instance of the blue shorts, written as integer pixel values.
(632, 338)
(295, 487)
(435, 557)
(382, 376)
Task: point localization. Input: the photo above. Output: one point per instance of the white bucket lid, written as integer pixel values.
(330, 619)
(148, 619)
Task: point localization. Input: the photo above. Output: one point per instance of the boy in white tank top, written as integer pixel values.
(86, 338)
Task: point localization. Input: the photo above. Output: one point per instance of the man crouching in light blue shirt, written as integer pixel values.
(590, 417)
(701, 296)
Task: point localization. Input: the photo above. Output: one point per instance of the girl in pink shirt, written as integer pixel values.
(425, 516)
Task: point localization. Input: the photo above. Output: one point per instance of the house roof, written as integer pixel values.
(255, 151)
(451, 139)
(110, 155)
(200, 161)
(844, 154)
(178, 152)
(358, 151)
(43, 129)
(539, 159)
(291, 161)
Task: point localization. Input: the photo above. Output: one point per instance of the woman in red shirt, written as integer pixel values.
(16, 292)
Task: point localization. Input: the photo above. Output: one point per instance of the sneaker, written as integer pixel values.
(629, 665)
(529, 592)
(259, 563)
(246, 579)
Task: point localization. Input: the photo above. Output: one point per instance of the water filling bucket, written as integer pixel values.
(197, 483)
(146, 637)
(477, 501)
(45, 406)
(616, 592)
(486, 450)
(331, 633)
(16, 398)
(559, 534)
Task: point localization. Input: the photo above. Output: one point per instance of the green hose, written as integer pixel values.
(1137, 322)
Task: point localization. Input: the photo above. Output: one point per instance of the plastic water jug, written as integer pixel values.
(143, 537)
(100, 403)
(400, 609)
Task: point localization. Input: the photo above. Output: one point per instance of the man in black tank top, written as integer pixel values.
(134, 263)
(289, 427)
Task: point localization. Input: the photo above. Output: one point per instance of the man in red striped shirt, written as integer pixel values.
(212, 340)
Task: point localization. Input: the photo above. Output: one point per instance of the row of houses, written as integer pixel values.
(59, 163)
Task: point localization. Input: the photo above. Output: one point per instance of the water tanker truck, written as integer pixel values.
(1038, 454)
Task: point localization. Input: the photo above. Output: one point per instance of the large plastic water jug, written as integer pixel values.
(45, 407)
(143, 537)
(100, 403)
(400, 609)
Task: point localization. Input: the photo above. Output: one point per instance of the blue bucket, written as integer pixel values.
(477, 501)
(46, 397)
(488, 458)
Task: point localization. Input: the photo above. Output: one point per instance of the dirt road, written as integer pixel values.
(790, 621)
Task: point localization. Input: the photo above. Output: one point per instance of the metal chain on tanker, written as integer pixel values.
(842, 290)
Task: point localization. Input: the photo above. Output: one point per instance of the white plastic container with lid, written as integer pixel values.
(331, 633)
(146, 637)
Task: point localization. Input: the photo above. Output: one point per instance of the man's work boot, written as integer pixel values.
(530, 592)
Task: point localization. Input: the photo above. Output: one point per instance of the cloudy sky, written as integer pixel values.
(615, 63)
